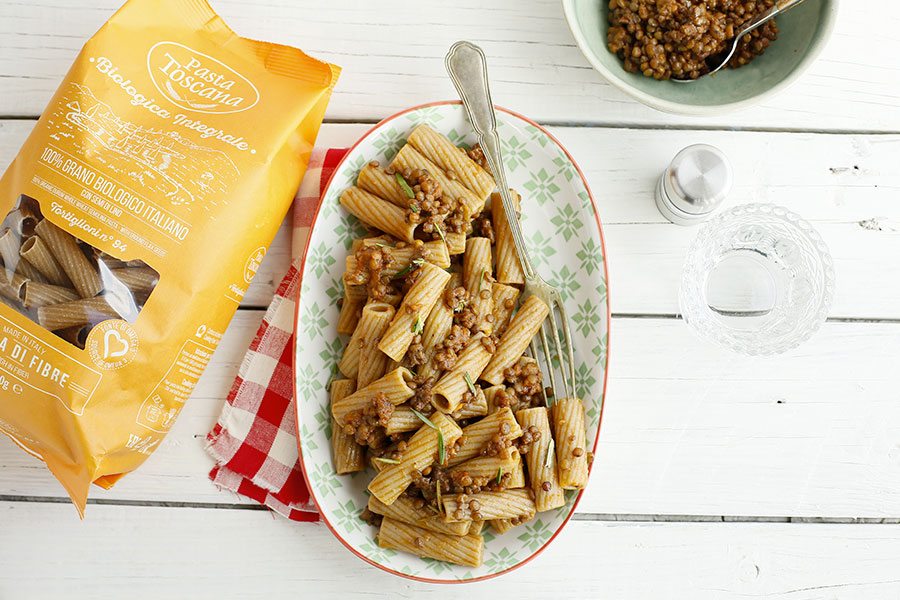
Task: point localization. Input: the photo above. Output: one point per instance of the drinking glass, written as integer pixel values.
(758, 279)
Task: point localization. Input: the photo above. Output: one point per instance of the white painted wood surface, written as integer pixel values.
(689, 432)
(847, 185)
(393, 51)
(202, 553)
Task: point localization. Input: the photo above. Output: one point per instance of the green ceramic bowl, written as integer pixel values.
(802, 34)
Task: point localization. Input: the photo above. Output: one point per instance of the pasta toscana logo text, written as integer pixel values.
(198, 82)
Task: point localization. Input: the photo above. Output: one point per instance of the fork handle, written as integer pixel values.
(467, 66)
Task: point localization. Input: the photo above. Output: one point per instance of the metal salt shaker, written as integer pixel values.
(694, 184)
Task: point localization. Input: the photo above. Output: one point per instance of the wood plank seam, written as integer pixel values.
(617, 517)
(611, 125)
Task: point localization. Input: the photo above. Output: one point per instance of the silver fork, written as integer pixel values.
(467, 66)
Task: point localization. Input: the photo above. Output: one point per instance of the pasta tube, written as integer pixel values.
(504, 302)
(505, 468)
(375, 180)
(9, 250)
(490, 395)
(410, 158)
(476, 407)
(501, 526)
(422, 449)
(517, 474)
(403, 419)
(378, 213)
(456, 243)
(508, 504)
(373, 363)
(77, 336)
(478, 434)
(111, 262)
(349, 457)
(449, 389)
(361, 359)
(22, 221)
(349, 316)
(139, 280)
(541, 460)
(394, 386)
(509, 268)
(77, 312)
(409, 320)
(29, 272)
(42, 294)
(404, 510)
(441, 151)
(68, 254)
(356, 292)
(464, 550)
(12, 285)
(434, 252)
(477, 279)
(36, 252)
(523, 327)
(437, 325)
(567, 415)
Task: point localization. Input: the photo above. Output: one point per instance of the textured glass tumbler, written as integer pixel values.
(758, 279)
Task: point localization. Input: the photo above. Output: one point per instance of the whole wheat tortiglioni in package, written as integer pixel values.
(133, 220)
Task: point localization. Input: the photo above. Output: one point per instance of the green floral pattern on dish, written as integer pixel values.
(515, 153)
(559, 226)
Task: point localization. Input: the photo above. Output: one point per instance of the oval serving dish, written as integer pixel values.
(563, 231)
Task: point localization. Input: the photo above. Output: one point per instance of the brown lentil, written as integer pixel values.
(667, 39)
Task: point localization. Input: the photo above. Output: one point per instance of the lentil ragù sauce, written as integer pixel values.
(671, 39)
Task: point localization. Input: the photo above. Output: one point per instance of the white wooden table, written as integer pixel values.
(717, 476)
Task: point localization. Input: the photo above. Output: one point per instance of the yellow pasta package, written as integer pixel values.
(133, 219)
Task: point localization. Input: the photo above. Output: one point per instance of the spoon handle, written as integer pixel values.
(779, 7)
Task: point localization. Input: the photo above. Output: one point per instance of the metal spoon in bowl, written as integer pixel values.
(717, 62)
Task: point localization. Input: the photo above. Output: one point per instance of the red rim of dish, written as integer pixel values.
(302, 267)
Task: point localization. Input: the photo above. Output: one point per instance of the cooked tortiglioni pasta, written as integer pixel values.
(541, 460)
(460, 550)
(424, 448)
(567, 419)
(393, 388)
(477, 279)
(405, 510)
(446, 411)
(409, 320)
(349, 457)
(515, 340)
(509, 269)
(376, 316)
(378, 213)
(508, 504)
(449, 390)
(377, 181)
(441, 151)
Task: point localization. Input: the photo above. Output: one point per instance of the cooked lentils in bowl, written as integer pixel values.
(671, 39)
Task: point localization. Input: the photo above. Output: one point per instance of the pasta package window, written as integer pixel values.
(169, 135)
(64, 284)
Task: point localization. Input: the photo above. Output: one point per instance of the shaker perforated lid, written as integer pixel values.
(697, 181)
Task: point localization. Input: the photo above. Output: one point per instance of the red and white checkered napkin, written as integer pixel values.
(254, 441)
